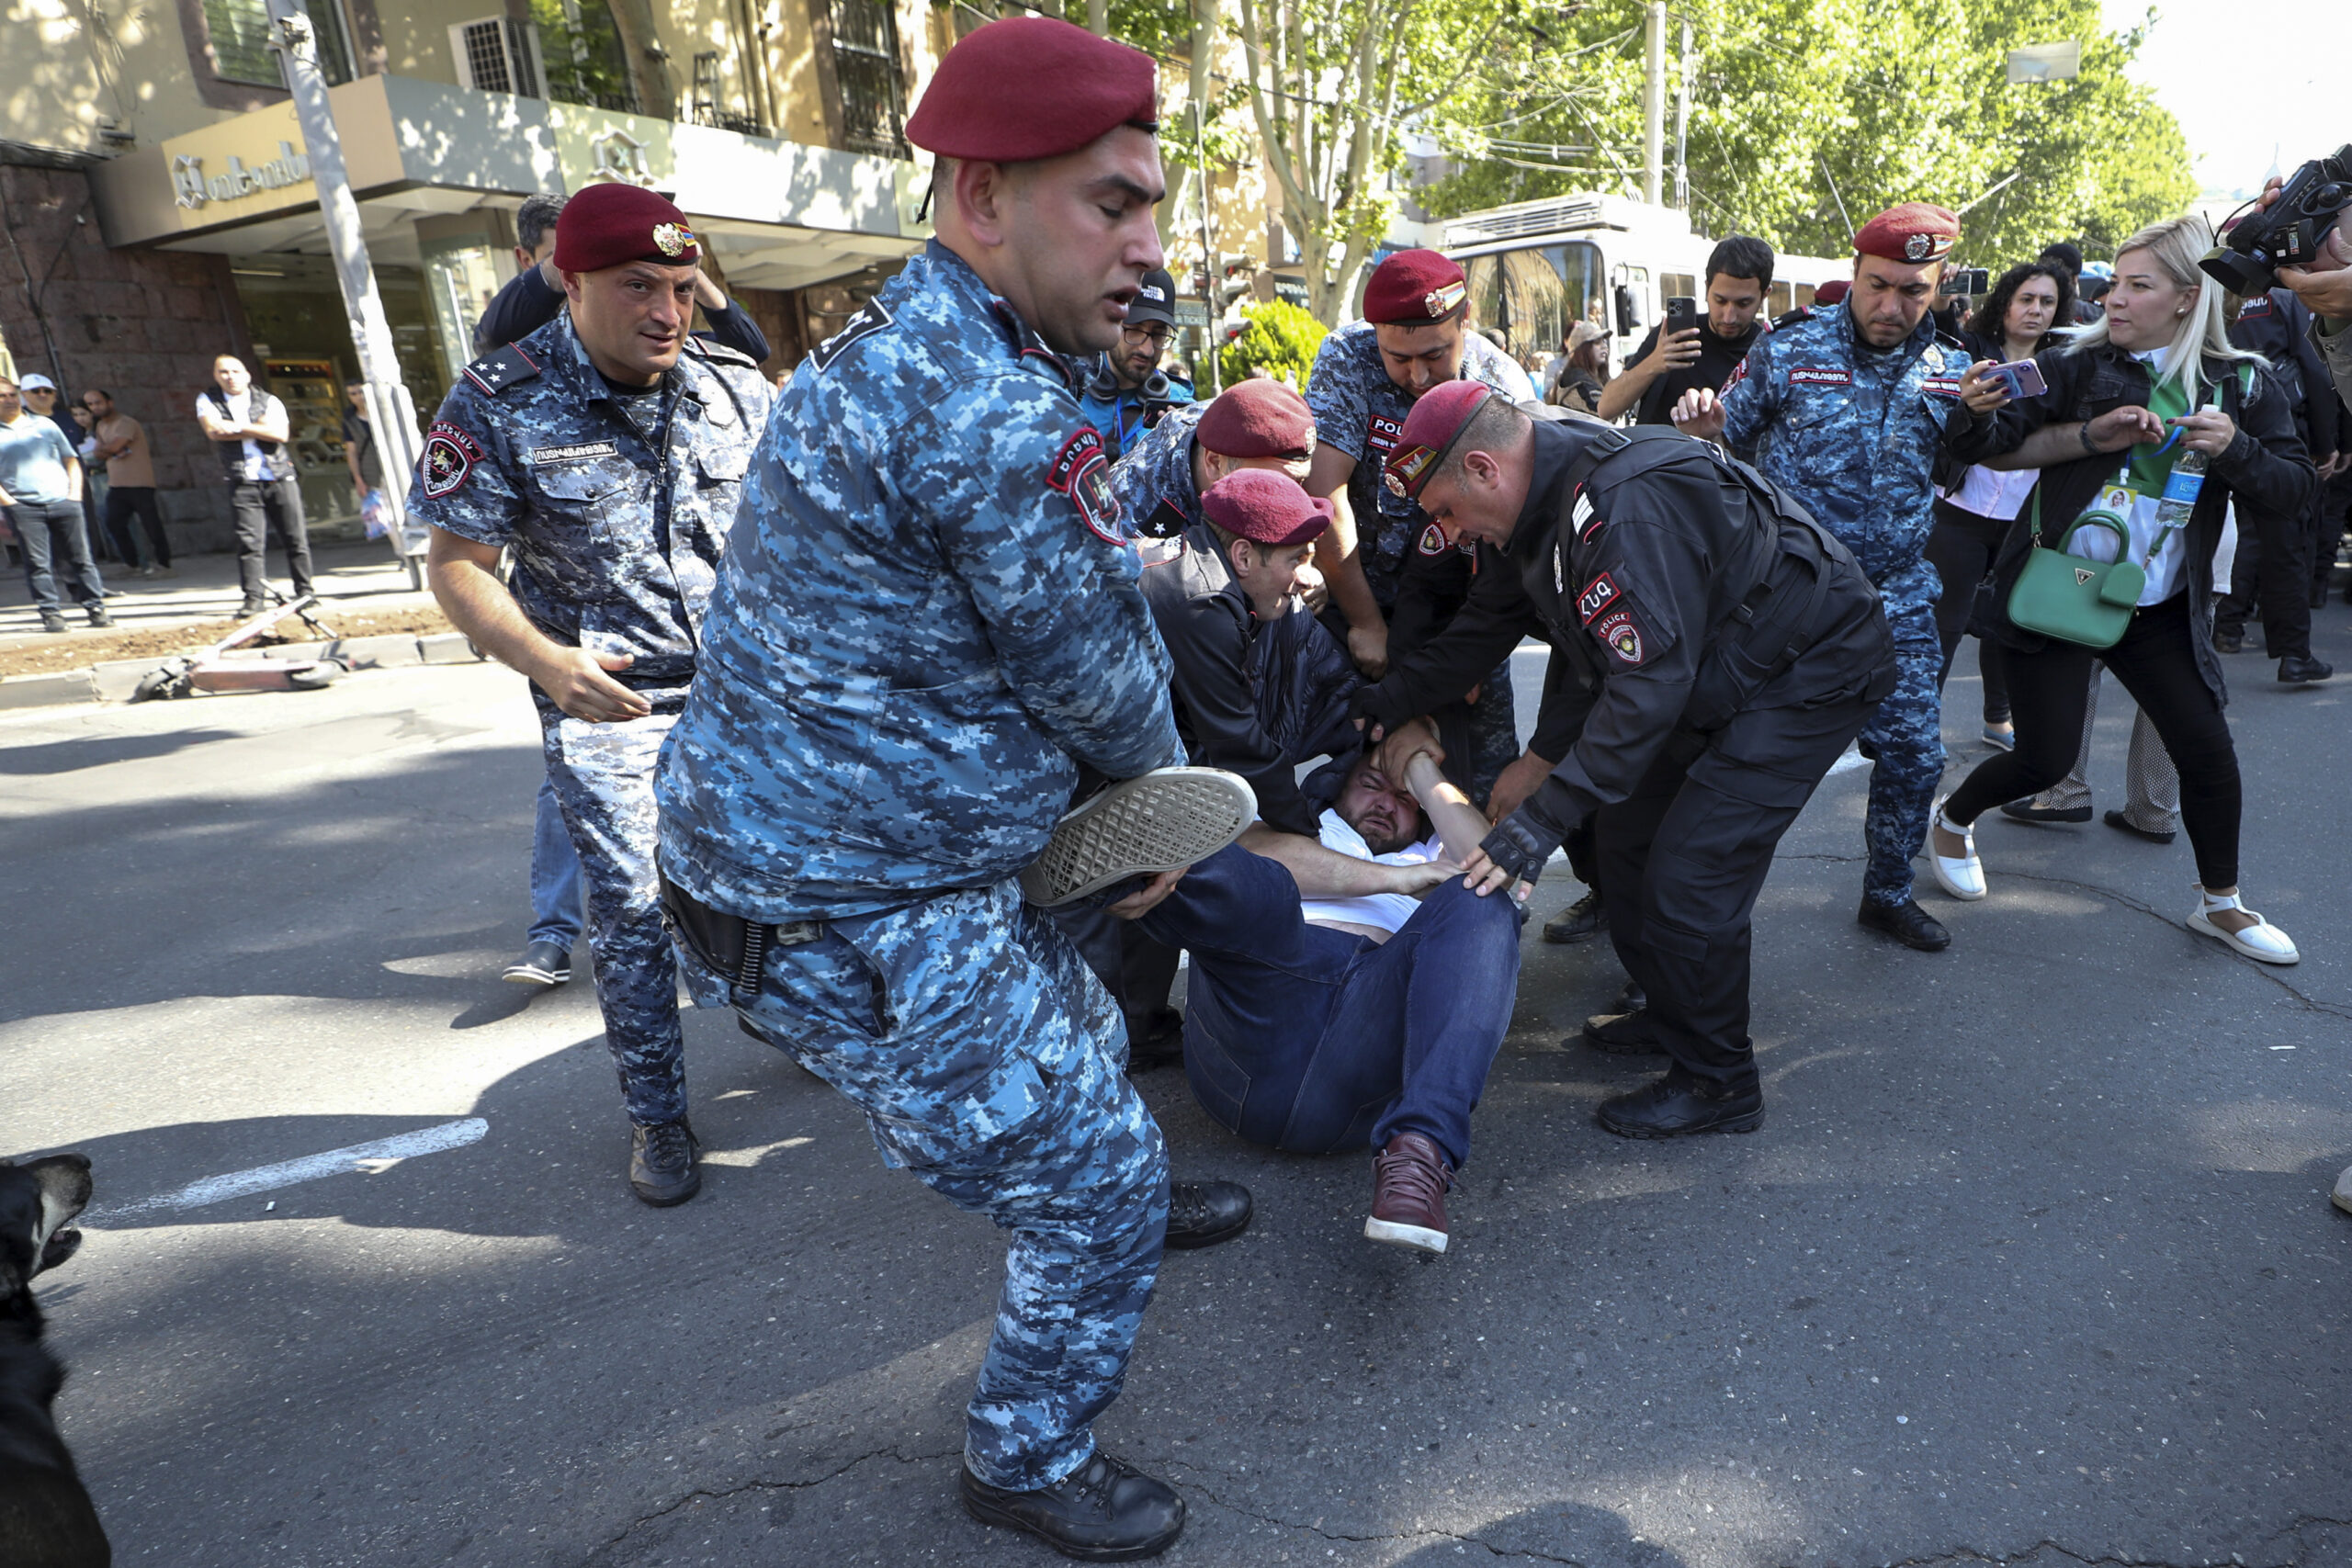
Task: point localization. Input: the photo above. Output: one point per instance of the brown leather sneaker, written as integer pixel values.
(1409, 1179)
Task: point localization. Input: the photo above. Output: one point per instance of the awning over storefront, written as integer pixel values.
(778, 214)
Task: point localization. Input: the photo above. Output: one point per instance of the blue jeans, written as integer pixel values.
(1312, 1040)
(555, 875)
(51, 531)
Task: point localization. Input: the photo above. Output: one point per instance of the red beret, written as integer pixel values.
(610, 224)
(1831, 292)
(1267, 507)
(1414, 288)
(1258, 418)
(1436, 421)
(1915, 232)
(1032, 88)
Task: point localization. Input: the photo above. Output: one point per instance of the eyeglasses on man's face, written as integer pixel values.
(1155, 334)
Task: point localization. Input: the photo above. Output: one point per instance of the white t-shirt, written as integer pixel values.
(256, 465)
(1383, 911)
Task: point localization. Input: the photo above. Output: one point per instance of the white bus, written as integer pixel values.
(1535, 268)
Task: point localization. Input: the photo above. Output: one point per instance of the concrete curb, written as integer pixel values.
(115, 680)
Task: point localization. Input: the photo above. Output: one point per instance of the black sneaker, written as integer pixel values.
(99, 617)
(1104, 1511)
(249, 608)
(542, 963)
(2027, 811)
(1677, 1104)
(1580, 921)
(662, 1163)
(1167, 819)
(1201, 1213)
(2228, 642)
(1907, 923)
(1623, 1033)
(2123, 824)
(50, 620)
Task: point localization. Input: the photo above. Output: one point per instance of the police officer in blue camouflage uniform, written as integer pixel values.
(607, 451)
(1257, 423)
(1414, 335)
(1847, 408)
(929, 619)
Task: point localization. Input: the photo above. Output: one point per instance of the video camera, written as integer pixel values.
(2289, 233)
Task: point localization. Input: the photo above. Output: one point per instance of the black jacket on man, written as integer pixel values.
(1630, 592)
(1253, 697)
(2264, 469)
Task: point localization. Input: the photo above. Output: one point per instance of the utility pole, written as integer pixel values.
(389, 414)
(1211, 272)
(1682, 123)
(1653, 107)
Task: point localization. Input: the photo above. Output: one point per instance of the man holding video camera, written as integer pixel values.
(2324, 284)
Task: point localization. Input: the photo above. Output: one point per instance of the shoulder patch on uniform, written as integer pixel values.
(872, 317)
(1581, 516)
(1622, 634)
(1382, 433)
(1081, 471)
(1820, 376)
(493, 373)
(1432, 542)
(1598, 595)
(1738, 374)
(2258, 306)
(449, 457)
(718, 353)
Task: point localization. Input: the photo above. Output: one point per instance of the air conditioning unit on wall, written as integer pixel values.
(498, 54)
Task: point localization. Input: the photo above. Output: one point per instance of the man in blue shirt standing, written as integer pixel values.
(41, 486)
(928, 622)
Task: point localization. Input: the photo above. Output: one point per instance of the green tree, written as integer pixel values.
(1280, 338)
(1807, 116)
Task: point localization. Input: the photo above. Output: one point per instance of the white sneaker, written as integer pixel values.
(1962, 878)
(1167, 819)
(2342, 1196)
(2262, 941)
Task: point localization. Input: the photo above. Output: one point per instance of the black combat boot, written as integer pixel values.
(1678, 1103)
(1623, 1033)
(1201, 1213)
(662, 1163)
(1906, 922)
(1104, 1511)
(1580, 921)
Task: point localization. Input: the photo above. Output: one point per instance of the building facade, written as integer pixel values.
(159, 211)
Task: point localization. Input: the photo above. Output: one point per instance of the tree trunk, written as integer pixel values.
(649, 71)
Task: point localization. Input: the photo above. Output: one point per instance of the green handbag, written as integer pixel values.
(2088, 602)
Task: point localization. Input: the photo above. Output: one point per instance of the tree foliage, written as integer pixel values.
(1280, 339)
(1799, 105)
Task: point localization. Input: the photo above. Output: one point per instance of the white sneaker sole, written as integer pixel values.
(2235, 942)
(1167, 819)
(524, 975)
(1420, 1237)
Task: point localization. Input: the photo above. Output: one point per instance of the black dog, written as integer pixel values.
(46, 1516)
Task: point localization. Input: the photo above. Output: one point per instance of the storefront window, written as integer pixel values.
(461, 278)
(241, 34)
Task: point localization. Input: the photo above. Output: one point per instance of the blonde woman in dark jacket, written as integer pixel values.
(2159, 362)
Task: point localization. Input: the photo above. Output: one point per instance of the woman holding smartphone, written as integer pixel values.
(2159, 365)
(2017, 320)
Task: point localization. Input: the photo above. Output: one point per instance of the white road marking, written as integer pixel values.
(378, 1155)
(1847, 763)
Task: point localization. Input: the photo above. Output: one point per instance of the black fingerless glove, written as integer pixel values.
(1519, 847)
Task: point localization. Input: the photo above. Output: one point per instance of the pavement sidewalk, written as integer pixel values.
(353, 575)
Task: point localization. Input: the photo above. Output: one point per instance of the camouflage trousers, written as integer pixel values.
(985, 1058)
(603, 775)
(1906, 733)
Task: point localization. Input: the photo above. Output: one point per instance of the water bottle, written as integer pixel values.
(2186, 479)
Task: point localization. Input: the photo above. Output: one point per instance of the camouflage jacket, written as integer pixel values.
(1155, 482)
(1359, 410)
(617, 507)
(1852, 431)
(928, 616)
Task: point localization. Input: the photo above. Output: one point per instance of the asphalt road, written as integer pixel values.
(2032, 1261)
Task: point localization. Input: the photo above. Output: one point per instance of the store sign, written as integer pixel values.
(192, 188)
(620, 157)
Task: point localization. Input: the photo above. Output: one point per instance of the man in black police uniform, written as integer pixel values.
(1724, 649)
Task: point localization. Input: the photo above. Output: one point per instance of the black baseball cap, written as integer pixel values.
(1157, 302)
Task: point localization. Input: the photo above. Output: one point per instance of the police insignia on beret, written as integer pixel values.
(673, 238)
(1917, 247)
